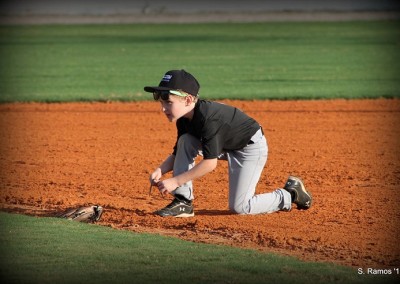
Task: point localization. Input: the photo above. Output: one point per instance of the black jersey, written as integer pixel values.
(219, 127)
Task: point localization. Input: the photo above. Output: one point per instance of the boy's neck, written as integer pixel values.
(190, 113)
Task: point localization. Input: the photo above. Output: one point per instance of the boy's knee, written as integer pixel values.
(188, 145)
(239, 208)
(186, 139)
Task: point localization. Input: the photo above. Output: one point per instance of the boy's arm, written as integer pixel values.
(168, 164)
(205, 166)
(165, 167)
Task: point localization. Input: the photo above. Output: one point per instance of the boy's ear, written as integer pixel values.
(189, 100)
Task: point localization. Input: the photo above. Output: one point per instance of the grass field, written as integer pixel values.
(246, 61)
(49, 250)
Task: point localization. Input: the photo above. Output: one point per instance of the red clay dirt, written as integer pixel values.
(58, 156)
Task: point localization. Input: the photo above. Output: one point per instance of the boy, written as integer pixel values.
(217, 131)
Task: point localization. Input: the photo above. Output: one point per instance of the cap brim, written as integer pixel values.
(156, 88)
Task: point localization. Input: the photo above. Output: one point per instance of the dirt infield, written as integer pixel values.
(56, 156)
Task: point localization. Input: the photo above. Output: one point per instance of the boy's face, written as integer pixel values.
(175, 107)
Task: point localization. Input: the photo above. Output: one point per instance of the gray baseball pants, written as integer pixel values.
(245, 168)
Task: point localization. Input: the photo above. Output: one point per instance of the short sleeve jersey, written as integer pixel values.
(219, 127)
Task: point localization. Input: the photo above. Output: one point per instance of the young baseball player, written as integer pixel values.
(217, 132)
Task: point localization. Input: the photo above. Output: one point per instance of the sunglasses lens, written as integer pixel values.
(164, 95)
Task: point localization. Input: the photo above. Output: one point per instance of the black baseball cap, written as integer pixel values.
(177, 80)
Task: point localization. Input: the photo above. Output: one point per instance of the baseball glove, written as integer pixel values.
(89, 214)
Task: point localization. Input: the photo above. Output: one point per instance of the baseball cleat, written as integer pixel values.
(179, 207)
(300, 196)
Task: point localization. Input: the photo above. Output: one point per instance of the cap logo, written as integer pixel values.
(166, 78)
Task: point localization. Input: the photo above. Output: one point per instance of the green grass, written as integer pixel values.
(50, 250)
(243, 61)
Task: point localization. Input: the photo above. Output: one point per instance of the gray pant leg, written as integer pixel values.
(245, 167)
(187, 150)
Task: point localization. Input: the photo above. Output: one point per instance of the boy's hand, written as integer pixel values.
(167, 186)
(155, 177)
